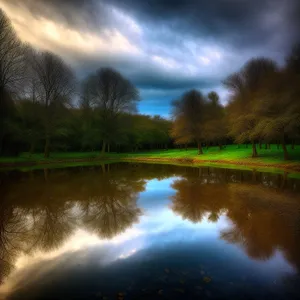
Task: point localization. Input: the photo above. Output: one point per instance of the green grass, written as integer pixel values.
(25, 157)
(231, 155)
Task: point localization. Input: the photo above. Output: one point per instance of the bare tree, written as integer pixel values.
(54, 84)
(12, 53)
(111, 94)
(11, 69)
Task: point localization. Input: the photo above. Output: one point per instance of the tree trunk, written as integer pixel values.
(284, 180)
(277, 145)
(108, 148)
(269, 146)
(103, 147)
(254, 175)
(293, 145)
(286, 154)
(46, 174)
(2, 115)
(199, 148)
(200, 172)
(1, 137)
(260, 144)
(47, 147)
(32, 147)
(254, 150)
(266, 146)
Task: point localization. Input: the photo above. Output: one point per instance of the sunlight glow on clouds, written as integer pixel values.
(45, 32)
(127, 20)
(166, 62)
(205, 60)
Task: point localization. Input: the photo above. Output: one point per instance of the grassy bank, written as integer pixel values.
(231, 156)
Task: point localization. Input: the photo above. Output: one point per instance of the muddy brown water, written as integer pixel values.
(143, 231)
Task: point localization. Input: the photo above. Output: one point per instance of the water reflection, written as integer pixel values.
(112, 207)
(41, 210)
(147, 218)
(262, 220)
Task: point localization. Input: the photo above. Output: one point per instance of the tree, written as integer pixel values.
(188, 117)
(196, 198)
(293, 60)
(30, 123)
(245, 87)
(215, 128)
(55, 85)
(11, 72)
(213, 97)
(111, 94)
(87, 122)
(279, 111)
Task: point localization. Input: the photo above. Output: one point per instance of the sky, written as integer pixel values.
(164, 47)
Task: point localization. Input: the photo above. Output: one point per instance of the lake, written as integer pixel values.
(143, 231)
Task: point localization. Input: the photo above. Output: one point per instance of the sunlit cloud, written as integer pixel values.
(165, 62)
(79, 241)
(205, 60)
(46, 34)
(126, 255)
(131, 24)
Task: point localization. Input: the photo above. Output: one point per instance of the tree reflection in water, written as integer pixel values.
(14, 234)
(263, 220)
(40, 210)
(113, 209)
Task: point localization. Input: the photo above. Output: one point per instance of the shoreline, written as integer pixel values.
(285, 166)
(292, 167)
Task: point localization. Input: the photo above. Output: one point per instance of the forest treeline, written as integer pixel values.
(45, 107)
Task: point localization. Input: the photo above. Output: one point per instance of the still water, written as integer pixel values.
(141, 231)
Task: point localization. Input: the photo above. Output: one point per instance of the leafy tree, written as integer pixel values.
(30, 123)
(188, 119)
(279, 111)
(215, 128)
(245, 87)
(161, 131)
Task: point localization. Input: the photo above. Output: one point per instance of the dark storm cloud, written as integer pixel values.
(152, 80)
(164, 47)
(240, 22)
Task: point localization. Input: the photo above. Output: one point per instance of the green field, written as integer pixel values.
(231, 155)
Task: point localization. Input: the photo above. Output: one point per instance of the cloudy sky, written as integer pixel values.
(163, 46)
